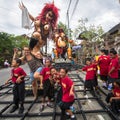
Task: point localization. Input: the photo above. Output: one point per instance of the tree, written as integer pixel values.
(91, 36)
(64, 27)
(8, 43)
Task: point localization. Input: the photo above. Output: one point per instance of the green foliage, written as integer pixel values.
(8, 43)
(64, 27)
(91, 36)
(88, 32)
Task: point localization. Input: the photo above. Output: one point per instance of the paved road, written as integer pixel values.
(5, 73)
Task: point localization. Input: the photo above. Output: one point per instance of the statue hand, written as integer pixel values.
(21, 5)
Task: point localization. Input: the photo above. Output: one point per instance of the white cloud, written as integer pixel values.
(107, 20)
(101, 12)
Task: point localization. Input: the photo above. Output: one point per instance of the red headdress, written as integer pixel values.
(49, 7)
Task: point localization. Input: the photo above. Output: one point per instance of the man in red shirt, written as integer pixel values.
(113, 69)
(67, 95)
(90, 75)
(17, 77)
(103, 62)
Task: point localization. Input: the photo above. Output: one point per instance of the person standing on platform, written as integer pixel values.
(17, 77)
(103, 62)
(47, 85)
(113, 69)
(67, 95)
(35, 64)
(90, 69)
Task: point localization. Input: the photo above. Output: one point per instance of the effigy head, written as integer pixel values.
(49, 14)
(60, 38)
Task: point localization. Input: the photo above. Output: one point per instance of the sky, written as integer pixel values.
(99, 12)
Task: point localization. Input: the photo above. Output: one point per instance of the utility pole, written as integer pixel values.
(68, 19)
(68, 24)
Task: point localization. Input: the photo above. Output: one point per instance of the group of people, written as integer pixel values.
(108, 64)
(41, 70)
(48, 78)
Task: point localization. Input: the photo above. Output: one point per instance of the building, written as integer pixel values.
(112, 38)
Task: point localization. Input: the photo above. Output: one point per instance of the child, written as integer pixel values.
(114, 97)
(17, 77)
(113, 69)
(47, 86)
(57, 84)
(67, 95)
(103, 62)
(90, 75)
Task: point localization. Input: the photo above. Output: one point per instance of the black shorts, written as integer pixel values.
(103, 77)
(119, 74)
(90, 84)
(65, 105)
(96, 81)
(48, 89)
(111, 80)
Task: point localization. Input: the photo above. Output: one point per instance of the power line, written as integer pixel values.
(69, 5)
(75, 7)
(68, 12)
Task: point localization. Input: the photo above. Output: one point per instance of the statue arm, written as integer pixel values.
(31, 17)
(22, 6)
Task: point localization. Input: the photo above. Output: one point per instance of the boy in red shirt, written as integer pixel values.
(103, 62)
(67, 95)
(114, 97)
(90, 75)
(113, 69)
(17, 77)
(47, 86)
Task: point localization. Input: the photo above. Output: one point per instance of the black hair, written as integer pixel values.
(48, 58)
(52, 68)
(33, 42)
(18, 61)
(112, 49)
(113, 52)
(104, 51)
(66, 70)
(87, 59)
(118, 82)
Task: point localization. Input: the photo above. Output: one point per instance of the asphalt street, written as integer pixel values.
(6, 72)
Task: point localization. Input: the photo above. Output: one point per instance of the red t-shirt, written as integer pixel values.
(114, 63)
(104, 62)
(45, 73)
(66, 84)
(17, 72)
(90, 71)
(116, 92)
